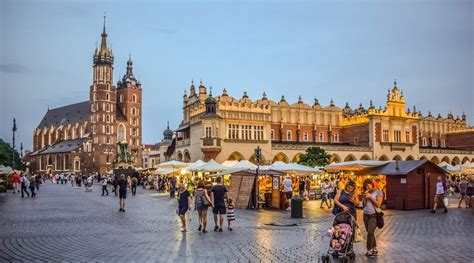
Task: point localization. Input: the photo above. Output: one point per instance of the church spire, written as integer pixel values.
(103, 44)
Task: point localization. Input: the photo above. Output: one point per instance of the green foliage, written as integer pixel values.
(6, 155)
(315, 156)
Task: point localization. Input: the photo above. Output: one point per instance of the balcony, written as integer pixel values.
(184, 142)
(211, 142)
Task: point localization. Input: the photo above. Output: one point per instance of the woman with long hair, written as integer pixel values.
(202, 201)
(346, 200)
(372, 201)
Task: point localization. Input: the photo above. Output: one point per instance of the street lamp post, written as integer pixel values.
(13, 144)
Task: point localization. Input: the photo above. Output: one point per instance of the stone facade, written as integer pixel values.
(84, 137)
(227, 128)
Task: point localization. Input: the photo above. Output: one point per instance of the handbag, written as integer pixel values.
(378, 217)
(204, 201)
(358, 236)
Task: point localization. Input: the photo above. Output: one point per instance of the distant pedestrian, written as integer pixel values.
(104, 186)
(307, 185)
(134, 184)
(32, 186)
(218, 196)
(89, 184)
(115, 185)
(184, 204)
(202, 201)
(122, 184)
(73, 180)
(331, 192)
(230, 214)
(325, 185)
(24, 185)
(373, 198)
(16, 182)
(288, 187)
(39, 181)
(441, 193)
(172, 186)
(463, 185)
(301, 188)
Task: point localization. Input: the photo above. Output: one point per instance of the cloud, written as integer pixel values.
(14, 68)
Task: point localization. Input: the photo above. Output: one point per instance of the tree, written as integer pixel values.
(6, 155)
(315, 156)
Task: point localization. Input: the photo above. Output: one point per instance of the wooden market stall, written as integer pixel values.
(410, 184)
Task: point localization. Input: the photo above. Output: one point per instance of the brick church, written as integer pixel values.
(96, 135)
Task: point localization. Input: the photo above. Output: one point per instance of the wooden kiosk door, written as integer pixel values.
(276, 191)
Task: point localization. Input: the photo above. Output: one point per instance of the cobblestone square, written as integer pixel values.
(68, 224)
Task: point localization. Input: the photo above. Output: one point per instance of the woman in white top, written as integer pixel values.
(372, 201)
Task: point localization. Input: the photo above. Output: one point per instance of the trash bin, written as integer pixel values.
(296, 207)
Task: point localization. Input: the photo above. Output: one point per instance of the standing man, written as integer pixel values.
(307, 185)
(122, 184)
(134, 185)
(218, 196)
(104, 186)
(16, 182)
(441, 191)
(33, 186)
(331, 191)
(324, 193)
(288, 187)
(24, 185)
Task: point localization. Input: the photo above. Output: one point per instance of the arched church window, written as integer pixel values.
(134, 98)
(121, 133)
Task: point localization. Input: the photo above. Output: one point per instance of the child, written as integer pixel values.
(230, 214)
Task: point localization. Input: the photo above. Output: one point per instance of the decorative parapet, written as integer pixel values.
(462, 130)
(444, 151)
(327, 147)
(245, 141)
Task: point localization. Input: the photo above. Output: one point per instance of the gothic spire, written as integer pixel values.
(103, 44)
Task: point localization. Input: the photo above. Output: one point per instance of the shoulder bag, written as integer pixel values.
(378, 216)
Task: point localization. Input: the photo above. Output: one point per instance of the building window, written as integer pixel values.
(107, 129)
(423, 142)
(233, 131)
(289, 136)
(107, 118)
(434, 142)
(305, 136)
(336, 137)
(94, 97)
(407, 136)
(121, 98)
(443, 143)
(134, 111)
(134, 98)
(107, 107)
(385, 136)
(356, 140)
(321, 137)
(272, 134)
(208, 132)
(107, 96)
(397, 136)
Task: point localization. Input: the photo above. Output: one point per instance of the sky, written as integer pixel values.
(348, 51)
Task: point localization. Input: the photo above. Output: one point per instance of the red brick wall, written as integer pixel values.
(378, 132)
(361, 131)
(414, 134)
(463, 140)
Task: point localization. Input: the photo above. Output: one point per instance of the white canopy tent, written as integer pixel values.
(230, 163)
(5, 169)
(173, 164)
(195, 164)
(211, 166)
(293, 168)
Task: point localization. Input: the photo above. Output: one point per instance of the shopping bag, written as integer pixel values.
(358, 236)
(445, 201)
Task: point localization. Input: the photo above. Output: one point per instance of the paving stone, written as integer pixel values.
(68, 224)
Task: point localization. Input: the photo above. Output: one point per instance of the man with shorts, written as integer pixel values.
(441, 191)
(288, 187)
(218, 195)
(122, 185)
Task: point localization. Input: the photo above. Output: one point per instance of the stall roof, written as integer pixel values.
(403, 167)
(354, 165)
(211, 166)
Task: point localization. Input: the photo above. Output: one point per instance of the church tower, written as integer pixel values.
(129, 105)
(103, 107)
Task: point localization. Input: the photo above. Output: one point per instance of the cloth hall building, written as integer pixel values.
(227, 128)
(96, 135)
